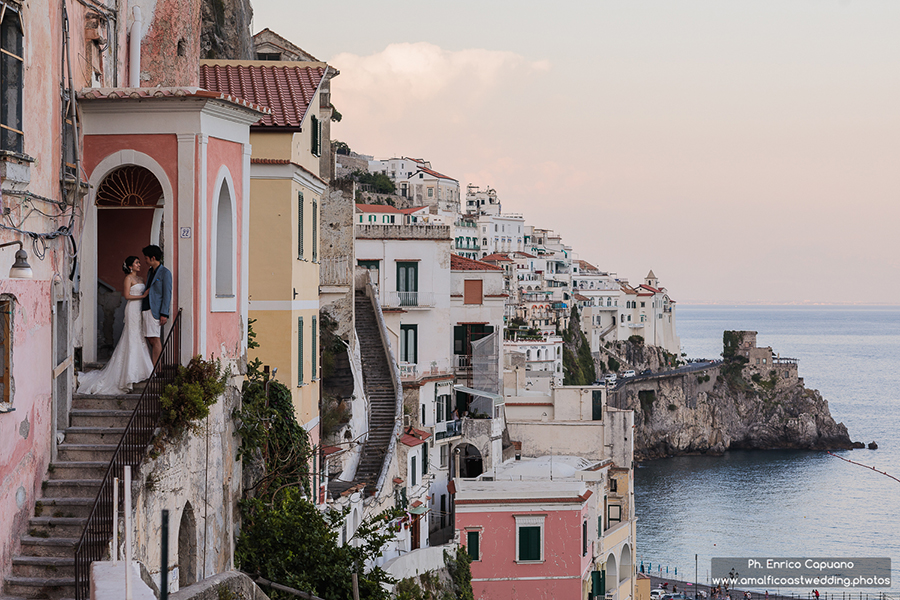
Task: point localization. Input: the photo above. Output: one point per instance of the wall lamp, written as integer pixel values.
(20, 269)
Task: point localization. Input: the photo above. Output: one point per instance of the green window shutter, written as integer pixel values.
(600, 526)
(300, 225)
(314, 348)
(598, 583)
(529, 543)
(299, 350)
(596, 405)
(424, 459)
(472, 543)
(316, 132)
(412, 470)
(315, 231)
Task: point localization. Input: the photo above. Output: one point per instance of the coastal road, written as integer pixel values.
(688, 368)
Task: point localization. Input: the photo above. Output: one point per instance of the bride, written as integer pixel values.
(130, 361)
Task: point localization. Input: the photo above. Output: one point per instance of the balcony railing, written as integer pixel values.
(409, 299)
(447, 429)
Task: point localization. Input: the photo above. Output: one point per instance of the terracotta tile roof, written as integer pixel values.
(412, 209)
(377, 208)
(166, 92)
(581, 298)
(587, 266)
(496, 256)
(652, 289)
(459, 263)
(286, 90)
(524, 254)
(414, 437)
(434, 173)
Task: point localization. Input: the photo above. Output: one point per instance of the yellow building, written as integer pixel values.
(285, 194)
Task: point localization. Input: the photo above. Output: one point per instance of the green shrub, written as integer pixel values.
(613, 364)
(637, 340)
(673, 407)
(187, 400)
(647, 398)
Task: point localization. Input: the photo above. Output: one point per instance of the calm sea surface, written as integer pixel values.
(787, 504)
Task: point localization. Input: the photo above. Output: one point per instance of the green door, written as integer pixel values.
(408, 283)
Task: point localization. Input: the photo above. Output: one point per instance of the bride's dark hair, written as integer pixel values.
(128, 262)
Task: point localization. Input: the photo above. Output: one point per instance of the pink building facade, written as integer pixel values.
(536, 537)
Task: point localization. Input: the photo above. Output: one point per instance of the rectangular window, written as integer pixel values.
(300, 225)
(439, 410)
(529, 543)
(445, 455)
(614, 514)
(299, 351)
(596, 405)
(313, 349)
(613, 484)
(12, 64)
(316, 131)
(408, 283)
(409, 338)
(584, 540)
(315, 231)
(412, 470)
(473, 291)
(6, 307)
(424, 459)
(472, 545)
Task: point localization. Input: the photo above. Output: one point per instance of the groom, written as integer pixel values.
(155, 305)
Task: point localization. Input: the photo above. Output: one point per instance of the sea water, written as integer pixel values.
(779, 503)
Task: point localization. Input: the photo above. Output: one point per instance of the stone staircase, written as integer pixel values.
(45, 564)
(379, 390)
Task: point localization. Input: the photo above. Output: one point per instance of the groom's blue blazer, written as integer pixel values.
(160, 295)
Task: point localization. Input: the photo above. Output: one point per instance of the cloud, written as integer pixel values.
(409, 78)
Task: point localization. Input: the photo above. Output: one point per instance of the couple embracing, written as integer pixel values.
(146, 312)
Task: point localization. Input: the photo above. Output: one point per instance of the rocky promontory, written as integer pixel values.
(752, 399)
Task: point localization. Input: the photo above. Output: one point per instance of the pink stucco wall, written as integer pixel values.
(562, 554)
(25, 434)
(224, 328)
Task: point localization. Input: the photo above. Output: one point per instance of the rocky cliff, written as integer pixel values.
(723, 408)
(225, 29)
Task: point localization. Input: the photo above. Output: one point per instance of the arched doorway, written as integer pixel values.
(612, 574)
(129, 204)
(625, 565)
(187, 547)
(468, 461)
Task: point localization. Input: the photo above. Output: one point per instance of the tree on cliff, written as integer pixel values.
(578, 364)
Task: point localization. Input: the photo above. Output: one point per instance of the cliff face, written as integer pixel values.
(711, 411)
(225, 29)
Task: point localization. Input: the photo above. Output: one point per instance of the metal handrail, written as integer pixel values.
(94, 542)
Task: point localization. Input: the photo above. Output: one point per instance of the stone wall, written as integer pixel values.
(403, 232)
(197, 479)
(225, 29)
(336, 252)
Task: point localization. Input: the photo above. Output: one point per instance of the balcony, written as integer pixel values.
(409, 300)
(447, 429)
(411, 371)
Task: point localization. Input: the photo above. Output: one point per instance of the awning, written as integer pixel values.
(497, 398)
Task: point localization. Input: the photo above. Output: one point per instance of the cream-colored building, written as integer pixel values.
(285, 194)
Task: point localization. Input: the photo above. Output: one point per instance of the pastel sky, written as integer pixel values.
(745, 151)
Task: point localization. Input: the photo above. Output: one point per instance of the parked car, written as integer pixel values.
(646, 372)
(628, 373)
(657, 594)
(678, 596)
(610, 378)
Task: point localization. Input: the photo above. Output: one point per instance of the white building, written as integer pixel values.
(415, 179)
(482, 202)
(501, 233)
(543, 357)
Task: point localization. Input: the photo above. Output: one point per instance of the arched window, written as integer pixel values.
(224, 245)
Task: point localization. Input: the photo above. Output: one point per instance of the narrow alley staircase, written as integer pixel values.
(45, 564)
(380, 392)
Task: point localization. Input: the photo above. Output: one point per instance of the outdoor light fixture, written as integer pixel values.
(20, 269)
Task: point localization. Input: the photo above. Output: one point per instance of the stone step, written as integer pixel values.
(38, 546)
(85, 402)
(40, 587)
(43, 566)
(77, 470)
(64, 507)
(71, 488)
(94, 435)
(92, 417)
(56, 526)
(85, 452)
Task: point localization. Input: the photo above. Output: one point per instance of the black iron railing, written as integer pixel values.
(141, 428)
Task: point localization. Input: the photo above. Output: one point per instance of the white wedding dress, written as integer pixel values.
(130, 361)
